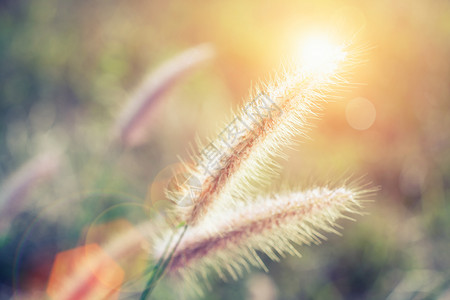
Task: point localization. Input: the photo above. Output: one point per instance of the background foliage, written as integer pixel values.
(67, 68)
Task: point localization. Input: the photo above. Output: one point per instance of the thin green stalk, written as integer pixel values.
(158, 269)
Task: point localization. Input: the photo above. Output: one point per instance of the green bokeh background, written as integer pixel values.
(68, 67)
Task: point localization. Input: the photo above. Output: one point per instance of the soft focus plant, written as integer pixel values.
(224, 223)
(68, 66)
(219, 220)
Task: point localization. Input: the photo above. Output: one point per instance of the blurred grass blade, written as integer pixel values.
(132, 124)
(14, 191)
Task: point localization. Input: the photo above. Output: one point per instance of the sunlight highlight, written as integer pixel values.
(319, 55)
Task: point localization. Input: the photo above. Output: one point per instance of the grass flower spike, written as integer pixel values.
(270, 225)
(14, 191)
(130, 129)
(226, 221)
(225, 170)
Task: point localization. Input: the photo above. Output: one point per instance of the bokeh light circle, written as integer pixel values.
(173, 177)
(360, 113)
(57, 227)
(123, 231)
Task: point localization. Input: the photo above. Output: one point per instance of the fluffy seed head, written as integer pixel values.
(226, 168)
(271, 225)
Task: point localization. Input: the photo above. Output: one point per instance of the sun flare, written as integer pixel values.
(318, 54)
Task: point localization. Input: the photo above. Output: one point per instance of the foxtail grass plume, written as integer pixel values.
(131, 127)
(14, 191)
(226, 168)
(270, 225)
(225, 221)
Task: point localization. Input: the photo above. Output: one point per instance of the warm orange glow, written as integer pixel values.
(123, 242)
(101, 275)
